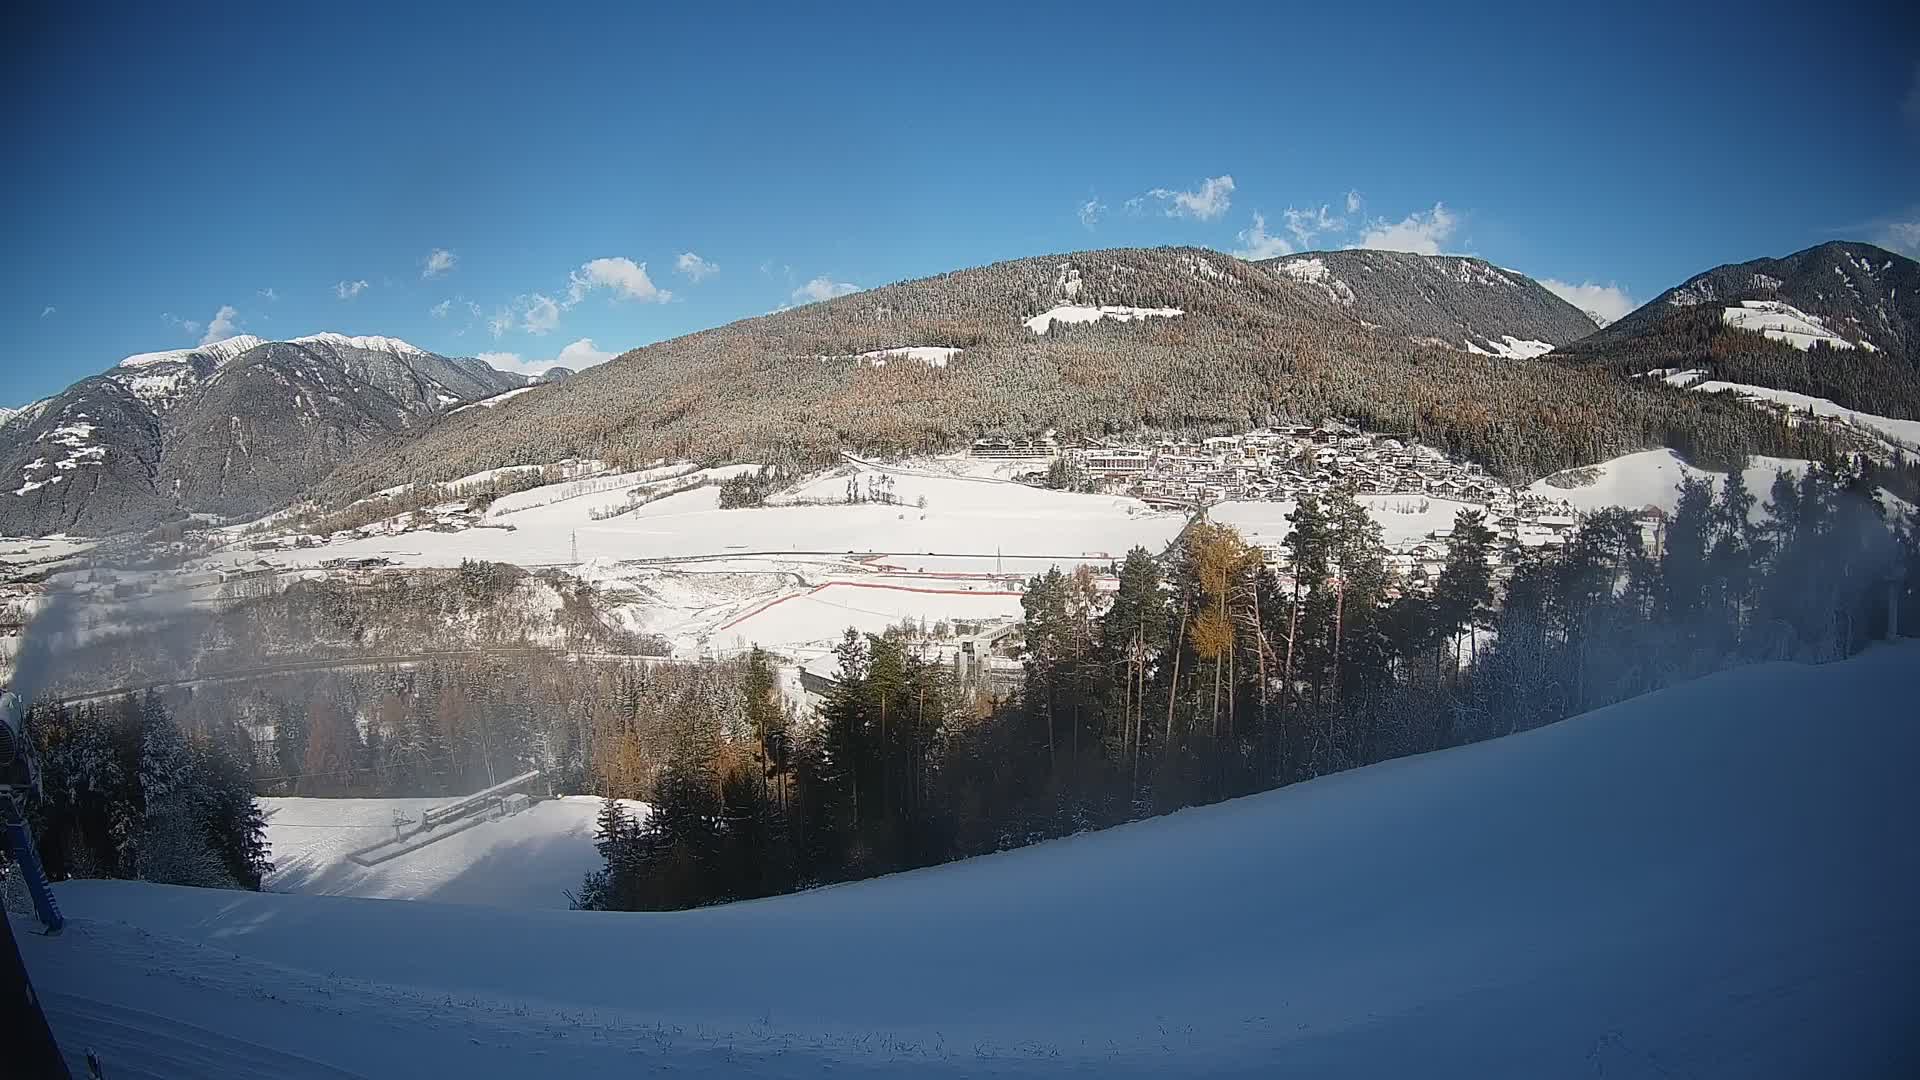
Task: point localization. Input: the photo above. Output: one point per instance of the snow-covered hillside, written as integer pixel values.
(525, 860)
(1510, 347)
(1903, 434)
(1651, 478)
(1784, 322)
(1494, 910)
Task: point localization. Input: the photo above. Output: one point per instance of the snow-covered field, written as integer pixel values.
(1784, 322)
(1082, 313)
(1403, 518)
(1495, 910)
(1903, 434)
(523, 861)
(22, 552)
(1511, 347)
(1652, 478)
(794, 576)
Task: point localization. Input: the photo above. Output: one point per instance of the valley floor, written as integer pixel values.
(1745, 909)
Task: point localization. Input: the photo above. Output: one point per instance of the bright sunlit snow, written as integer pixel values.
(1080, 313)
(1905, 433)
(930, 355)
(1511, 347)
(1652, 478)
(1783, 322)
(525, 860)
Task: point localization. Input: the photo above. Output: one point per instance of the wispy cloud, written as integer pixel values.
(1354, 202)
(347, 290)
(1307, 224)
(438, 261)
(48, 311)
(1257, 243)
(1901, 236)
(499, 322)
(1421, 233)
(439, 310)
(823, 288)
(1608, 301)
(186, 326)
(540, 315)
(268, 295)
(224, 324)
(1206, 203)
(694, 267)
(1091, 211)
(627, 279)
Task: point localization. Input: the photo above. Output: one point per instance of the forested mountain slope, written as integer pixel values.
(1840, 321)
(237, 427)
(1193, 339)
(1461, 302)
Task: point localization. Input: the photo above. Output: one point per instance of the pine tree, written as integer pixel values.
(1463, 597)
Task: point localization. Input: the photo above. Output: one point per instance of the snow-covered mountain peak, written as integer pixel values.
(219, 352)
(367, 343)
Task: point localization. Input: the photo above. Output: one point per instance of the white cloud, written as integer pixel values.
(627, 279)
(186, 325)
(439, 310)
(583, 354)
(578, 356)
(347, 290)
(268, 295)
(46, 311)
(822, 288)
(438, 261)
(500, 323)
(511, 361)
(1608, 301)
(224, 324)
(1309, 223)
(1419, 233)
(695, 267)
(1260, 245)
(1354, 202)
(1090, 212)
(1211, 201)
(1903, 236)
(542, 314)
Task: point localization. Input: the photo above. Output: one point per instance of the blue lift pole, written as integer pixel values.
(20, 842)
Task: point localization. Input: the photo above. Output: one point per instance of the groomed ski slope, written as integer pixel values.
(1718, 880)
(527, 860)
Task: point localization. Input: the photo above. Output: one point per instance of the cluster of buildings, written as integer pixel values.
(1286, 463)
(1289, 461)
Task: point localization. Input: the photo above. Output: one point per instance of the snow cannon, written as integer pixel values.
(18, 776)
(19, 784)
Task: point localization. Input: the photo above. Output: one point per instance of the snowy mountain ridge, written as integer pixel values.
(236, 426)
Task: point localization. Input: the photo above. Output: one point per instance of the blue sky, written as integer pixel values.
(176, 172)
